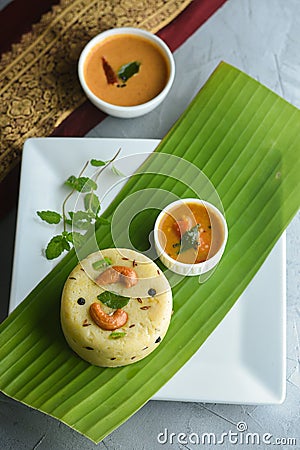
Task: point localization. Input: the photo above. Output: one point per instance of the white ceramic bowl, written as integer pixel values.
(184, 268)
(126, 111)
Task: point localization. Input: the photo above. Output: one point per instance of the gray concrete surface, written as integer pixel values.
(262, 38)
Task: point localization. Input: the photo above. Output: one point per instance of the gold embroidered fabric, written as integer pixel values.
(38, 77)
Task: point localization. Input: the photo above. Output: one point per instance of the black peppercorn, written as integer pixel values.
(81, 301)
(152, 292)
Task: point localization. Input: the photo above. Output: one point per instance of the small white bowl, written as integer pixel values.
(184, 268)
(126, 111)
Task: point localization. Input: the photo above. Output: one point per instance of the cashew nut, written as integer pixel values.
(105, 321)
(114, 274)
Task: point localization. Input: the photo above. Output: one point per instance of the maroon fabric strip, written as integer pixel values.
(18, 17)
(184, 25)
(9, 191)
(87, 116)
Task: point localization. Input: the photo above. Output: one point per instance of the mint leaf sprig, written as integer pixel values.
(51, 217)
(82, 220)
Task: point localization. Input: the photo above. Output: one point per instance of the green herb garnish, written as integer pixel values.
(82, 220)
(113, 300)
(51, 217)
(102, 263)
(128, 70)
(56, 246)
(92, 203)
(97, 163)
(74, 237)
(81, 184)
(190, 239)
(117, 334)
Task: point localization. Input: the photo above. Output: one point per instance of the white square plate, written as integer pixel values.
(242, 361)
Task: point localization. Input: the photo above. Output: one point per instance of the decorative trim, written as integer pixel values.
(38, 77)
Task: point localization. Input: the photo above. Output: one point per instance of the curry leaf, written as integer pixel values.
(113, 300)
(128, 70)
(190, 239)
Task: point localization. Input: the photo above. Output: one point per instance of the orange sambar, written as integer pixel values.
(123, 49)
(182, 219)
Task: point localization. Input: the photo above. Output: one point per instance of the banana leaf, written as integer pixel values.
(246, 140)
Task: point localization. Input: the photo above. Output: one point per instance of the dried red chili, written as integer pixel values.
(111, 77)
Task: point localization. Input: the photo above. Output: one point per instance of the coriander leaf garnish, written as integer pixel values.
(97, 162)
(113, 300)
(190, 239)
(56, 246)
(128, 70)
(81, 184)
(92, 203)
(117, 334)
(51, 217)
(102, 263)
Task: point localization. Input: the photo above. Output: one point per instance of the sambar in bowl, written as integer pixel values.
(190, 236)
(126, 72)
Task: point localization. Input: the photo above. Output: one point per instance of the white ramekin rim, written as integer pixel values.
(185, 268)
(120, 110)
